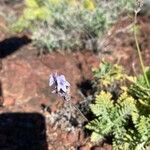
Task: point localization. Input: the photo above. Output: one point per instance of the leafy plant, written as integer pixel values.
(140, 89)
(121, 120)
(35, 10)
(127, 117)
(108, 74)
(69, 24)
(124, 117)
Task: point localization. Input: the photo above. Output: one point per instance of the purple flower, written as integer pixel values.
(60, 84)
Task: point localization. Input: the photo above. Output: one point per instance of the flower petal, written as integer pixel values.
(51, 80)
(61, 87)
(62, 77)
(67, 83)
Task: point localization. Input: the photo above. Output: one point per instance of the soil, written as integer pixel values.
(24, 85)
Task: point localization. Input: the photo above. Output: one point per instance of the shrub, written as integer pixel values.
(64, 24)
(126, 117)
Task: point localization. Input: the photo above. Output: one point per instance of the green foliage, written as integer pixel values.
(88, 4)
(107, 73)
(113, 119)
(140, 89)
(69, 24)
(124, 118)
(35, 10)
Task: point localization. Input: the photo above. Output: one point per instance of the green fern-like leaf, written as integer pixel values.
(111, 116)
(124, 118)
(140, 89)
(143, 127)
(103, 103)
(107, 73)
(127, 104)
(96, 137)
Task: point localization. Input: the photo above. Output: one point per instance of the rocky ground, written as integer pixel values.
(24, 88)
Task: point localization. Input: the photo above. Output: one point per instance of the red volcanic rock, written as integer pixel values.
(25, 78)
(72, 137)
(9, 101)
(87, 146)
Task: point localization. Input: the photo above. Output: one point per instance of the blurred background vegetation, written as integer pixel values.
(69, 24)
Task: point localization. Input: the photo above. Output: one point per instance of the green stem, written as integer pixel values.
(139, 51)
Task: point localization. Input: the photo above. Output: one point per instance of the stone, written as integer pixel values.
(9, 101)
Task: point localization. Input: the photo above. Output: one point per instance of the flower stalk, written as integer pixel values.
(62, 88)
(137, 46)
